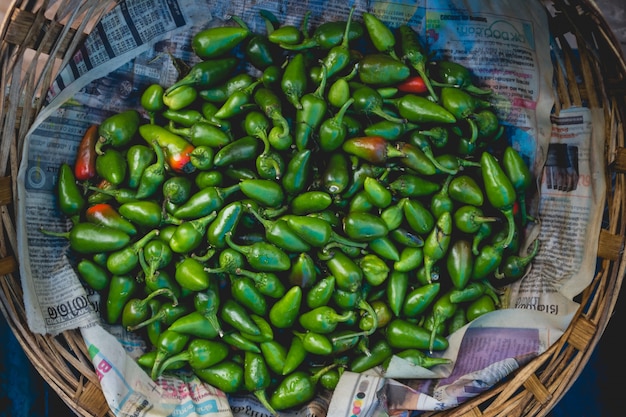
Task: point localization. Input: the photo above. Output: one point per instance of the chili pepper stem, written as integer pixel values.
(262, 397)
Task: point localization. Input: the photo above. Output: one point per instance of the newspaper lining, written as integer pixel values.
(507, 48)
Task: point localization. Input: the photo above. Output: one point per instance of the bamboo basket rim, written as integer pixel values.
(37, 38)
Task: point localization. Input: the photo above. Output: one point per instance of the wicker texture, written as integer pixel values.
(36, 40)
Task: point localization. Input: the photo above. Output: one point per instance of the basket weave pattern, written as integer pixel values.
(38, 38)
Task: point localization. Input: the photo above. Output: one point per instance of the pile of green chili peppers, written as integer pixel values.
(299, 203)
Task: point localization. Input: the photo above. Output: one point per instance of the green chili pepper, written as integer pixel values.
(274, 354)
(153, 176)
(380, 34)
(500, 191)
(205, 201)
(206, 73)
(169, 344)
(200, 354)
(285, 311)
(121, 290)
(453, 74)
(441, 200)
(393, 215)
(381, 69)
(279, 233)
(325, 36)
(466, 190)
(260, 52)
(111, 165)
(194, 324)
(384, 247)
(152, 100)
(226, 376)
(179, 98)
(363, 226)
(311, 115)
(136, 310)
(240, 150)
(271, 105)
(86, 238)
(257, 378)
(417, 216)
(143, 213)
(220, 93)
(93, 274)
(487, 261)
(215, 41)
(186, 117)
(297, 388)
(206, 179)
(106, 191)
(409, 185)
(126, 259)
(388, 129)
(410, 259)
(264, 192)
(383, 315)
(237, 102)
(262, 256)
(155, 255)
(303, 271)
(207, 303)
(514, 266)
(468, 218)
(406, 238)
(294, 80)
(320, 293)
(397, 285)
(483, 305)
(419, 299)
(520, 176)
(267, 332)
(333, 131)
(368, 101)
(190, 274)
(374, 356)
(317, 232)
(138, 158)
(337, 57)
(418, 109)
(375, 269)
(188, 235)
(402, 334)
(70, 198)
(437, 242)
(118, 130)
(347, 273)
(234, 314)
(419, 358)
(296, 354)
(460, 262)
(470, 292)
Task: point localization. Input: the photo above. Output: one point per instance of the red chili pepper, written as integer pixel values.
(85, 165)
(177, 150)
(414, 85)
(374, 149)
(104, 214)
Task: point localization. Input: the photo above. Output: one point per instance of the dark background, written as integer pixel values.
(23, 393)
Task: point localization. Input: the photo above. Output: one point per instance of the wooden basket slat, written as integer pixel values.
(594, 77)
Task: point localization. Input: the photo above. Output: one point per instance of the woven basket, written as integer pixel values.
(38, 38)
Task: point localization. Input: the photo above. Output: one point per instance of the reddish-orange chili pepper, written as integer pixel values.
(414, 85)
(85, 165)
